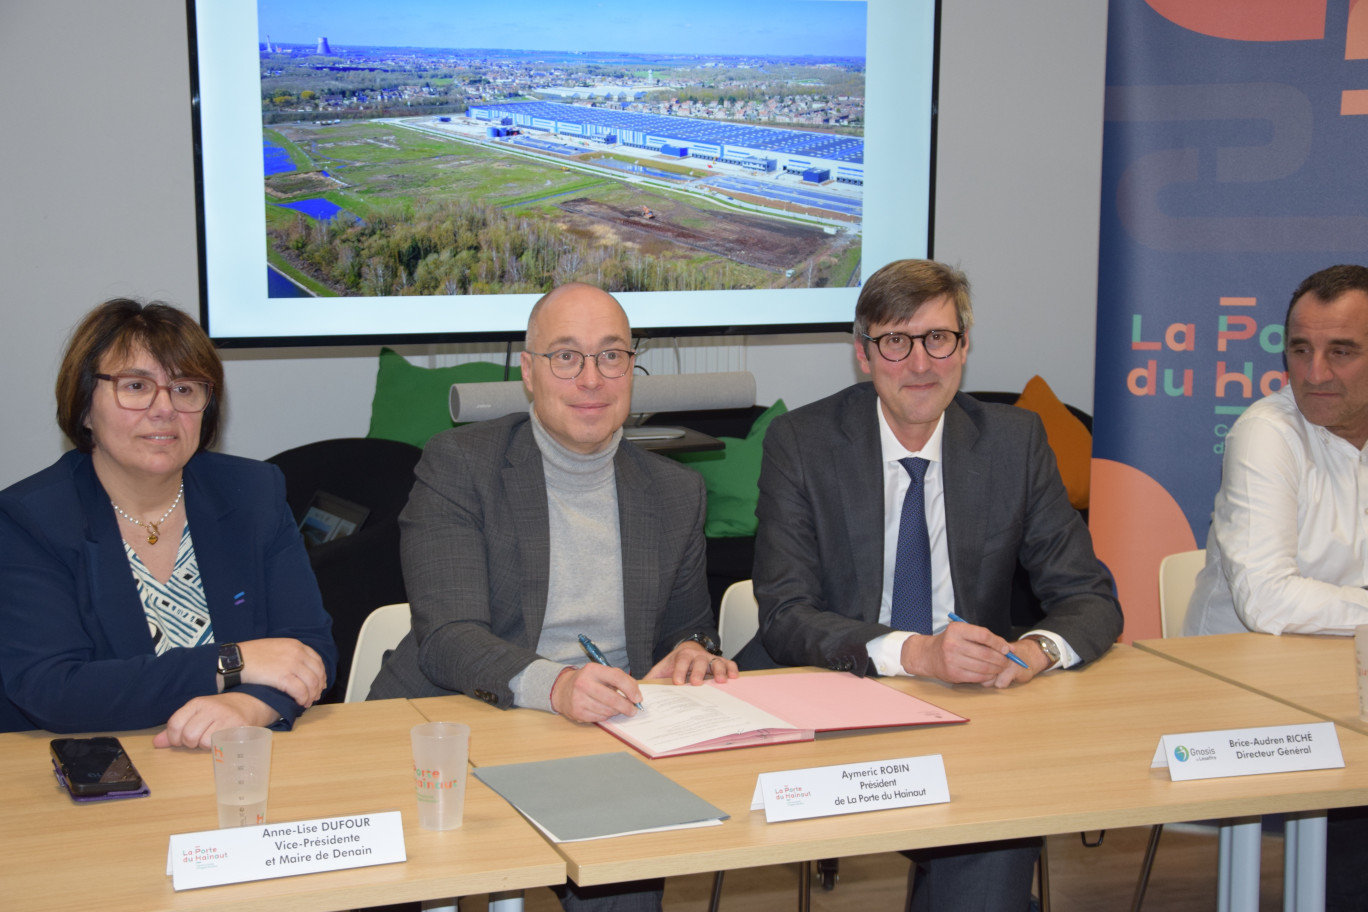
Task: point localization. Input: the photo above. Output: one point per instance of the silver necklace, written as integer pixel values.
(153, 536)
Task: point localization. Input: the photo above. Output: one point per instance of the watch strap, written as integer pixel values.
(706, 641)
(230, 665)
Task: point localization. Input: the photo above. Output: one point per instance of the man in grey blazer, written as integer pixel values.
(523, 532)
(833, 486)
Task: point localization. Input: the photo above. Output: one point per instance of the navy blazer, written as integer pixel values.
(819, 546)
(76, 651)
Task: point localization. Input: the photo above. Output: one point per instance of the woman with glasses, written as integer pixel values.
(144, 580)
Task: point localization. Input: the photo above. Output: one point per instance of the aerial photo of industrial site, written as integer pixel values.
(421, 147)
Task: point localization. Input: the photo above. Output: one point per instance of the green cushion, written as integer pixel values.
(732, 477)
(412, 403)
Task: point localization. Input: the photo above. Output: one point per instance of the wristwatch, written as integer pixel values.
(230, 665)
(707, 642)
(1047, 646)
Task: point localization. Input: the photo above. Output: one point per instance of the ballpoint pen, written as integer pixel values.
(595, 656)
(1011, 655)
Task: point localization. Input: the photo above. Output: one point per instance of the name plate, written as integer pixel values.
(1250, 751)
(825, 791)
(239, 854)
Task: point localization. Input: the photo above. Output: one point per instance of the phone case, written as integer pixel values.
(107, 796)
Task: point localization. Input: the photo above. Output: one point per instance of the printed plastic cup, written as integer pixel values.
(1361, 662)
(440, 753)
(242, 774)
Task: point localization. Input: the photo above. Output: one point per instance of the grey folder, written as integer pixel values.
(601, 795)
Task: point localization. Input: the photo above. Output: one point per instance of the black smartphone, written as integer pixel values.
(94, 766)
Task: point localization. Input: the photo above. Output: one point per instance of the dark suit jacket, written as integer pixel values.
(76, 654)
(476, 546)
(819, 546)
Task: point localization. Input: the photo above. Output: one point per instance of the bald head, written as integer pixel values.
(574, 298)
(582, 412)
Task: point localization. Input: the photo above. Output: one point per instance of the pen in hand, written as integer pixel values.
(1011, 655)
(595, 656)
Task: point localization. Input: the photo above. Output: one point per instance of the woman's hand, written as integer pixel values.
(285, 664)
(194, 723)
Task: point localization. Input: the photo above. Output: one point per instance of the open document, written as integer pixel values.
(766, 709)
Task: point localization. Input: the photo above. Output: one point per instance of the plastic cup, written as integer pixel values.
(242, 774)
(1361, 661)
(440, 753)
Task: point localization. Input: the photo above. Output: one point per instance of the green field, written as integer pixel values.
(449, 216)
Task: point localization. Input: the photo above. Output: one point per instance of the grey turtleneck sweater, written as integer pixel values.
(584, 592)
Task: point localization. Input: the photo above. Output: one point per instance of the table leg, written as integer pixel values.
(511, 901)
(1237, 887)
(1304, 863)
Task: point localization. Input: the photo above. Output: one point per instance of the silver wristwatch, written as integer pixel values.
(1047, 646)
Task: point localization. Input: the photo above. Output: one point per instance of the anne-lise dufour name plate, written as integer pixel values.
(239, 854)
(1250, 751)
(825, 791)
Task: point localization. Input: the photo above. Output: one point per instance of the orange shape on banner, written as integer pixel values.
(1354, 101)
(1247, 20)
(1356, 40)
(1135, 524)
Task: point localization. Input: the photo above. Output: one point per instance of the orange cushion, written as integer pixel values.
(1070, 440)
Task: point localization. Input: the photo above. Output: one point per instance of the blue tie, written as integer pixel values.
(912, 572)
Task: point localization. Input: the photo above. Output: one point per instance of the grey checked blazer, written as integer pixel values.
(475, 540)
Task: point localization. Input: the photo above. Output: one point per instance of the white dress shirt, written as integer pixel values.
(886, 651)
(1288, 547)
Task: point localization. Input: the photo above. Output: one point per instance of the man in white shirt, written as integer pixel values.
(1287, 551)
(858, 567)
(1288, 547)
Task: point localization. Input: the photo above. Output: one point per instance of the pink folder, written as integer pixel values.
(835, 701)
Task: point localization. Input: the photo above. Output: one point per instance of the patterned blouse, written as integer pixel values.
(177, 613)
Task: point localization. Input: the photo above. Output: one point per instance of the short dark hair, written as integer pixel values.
(117, 327)
(895, 292)
(1327, 285)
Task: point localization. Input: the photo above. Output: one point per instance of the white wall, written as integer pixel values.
(97, 199)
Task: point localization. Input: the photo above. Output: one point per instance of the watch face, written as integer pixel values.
(229, 658)
(1049, 647)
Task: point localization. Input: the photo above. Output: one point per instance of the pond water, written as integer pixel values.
(277, 286)
(320, 209)
(277, 159)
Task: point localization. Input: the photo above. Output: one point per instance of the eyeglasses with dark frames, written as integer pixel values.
(137, 393)
(896, 346)
(567, 364)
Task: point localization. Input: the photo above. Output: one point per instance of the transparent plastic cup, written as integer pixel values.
(441, 751)
(242, 774)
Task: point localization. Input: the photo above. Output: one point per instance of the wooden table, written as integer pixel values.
(1314, 673)
(341, 759)
(1071, 751)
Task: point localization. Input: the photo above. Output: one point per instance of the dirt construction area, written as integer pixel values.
(748, 239)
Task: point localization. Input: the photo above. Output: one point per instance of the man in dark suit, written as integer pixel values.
(523, 532)
(888, 506)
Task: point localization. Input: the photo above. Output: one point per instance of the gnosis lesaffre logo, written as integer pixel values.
(1181, 753)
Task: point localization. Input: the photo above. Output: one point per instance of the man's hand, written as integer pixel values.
(963, 654)
(692, 663)
(194, 723)
(594, 693)
(1028, 651)
(285, 664)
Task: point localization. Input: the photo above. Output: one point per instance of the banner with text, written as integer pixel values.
(1232, 169)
